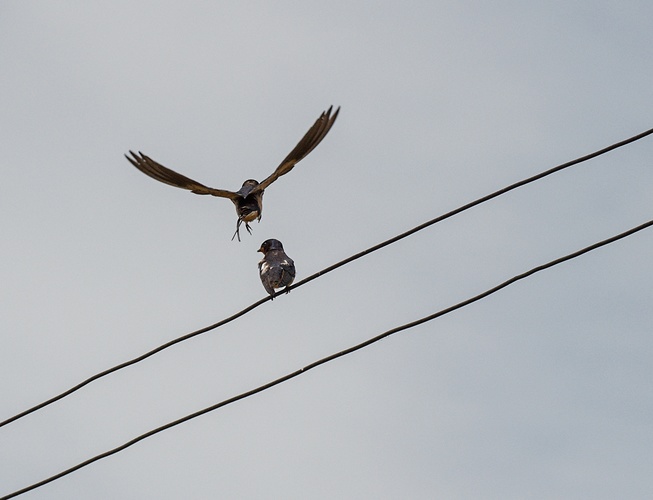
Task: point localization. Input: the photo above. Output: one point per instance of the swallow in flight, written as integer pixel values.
(249, 198)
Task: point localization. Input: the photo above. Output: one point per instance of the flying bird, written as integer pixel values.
(275, 268)
(249, 198)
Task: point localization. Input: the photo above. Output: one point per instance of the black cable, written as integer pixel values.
(327, 270)
(331, 358)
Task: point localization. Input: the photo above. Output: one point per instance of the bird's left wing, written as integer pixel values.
(310, 140)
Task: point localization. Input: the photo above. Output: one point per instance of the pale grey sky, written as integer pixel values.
(540, 391)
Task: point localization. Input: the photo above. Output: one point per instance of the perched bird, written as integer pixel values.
(275, 268)
(249, 198)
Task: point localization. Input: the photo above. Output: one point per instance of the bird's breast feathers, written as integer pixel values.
(250, 216)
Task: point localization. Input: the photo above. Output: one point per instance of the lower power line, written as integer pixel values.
(332, 357)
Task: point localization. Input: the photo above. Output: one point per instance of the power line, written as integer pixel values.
(327, 270)
(332, 357)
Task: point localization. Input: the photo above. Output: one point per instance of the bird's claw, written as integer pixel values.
(237, 233)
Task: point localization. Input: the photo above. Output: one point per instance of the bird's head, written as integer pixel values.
(247, 187)
(268, 245)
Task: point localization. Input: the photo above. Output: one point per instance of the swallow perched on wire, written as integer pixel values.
(249, 198)
(275, 268)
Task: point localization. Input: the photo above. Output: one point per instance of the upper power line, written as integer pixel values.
(333, 267)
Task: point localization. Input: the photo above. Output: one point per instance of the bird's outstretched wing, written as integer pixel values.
(163, 174)
(310, 140)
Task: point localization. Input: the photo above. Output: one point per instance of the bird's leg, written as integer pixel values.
(238, 223)
(237, 233)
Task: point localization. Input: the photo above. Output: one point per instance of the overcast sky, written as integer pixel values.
(541, 391)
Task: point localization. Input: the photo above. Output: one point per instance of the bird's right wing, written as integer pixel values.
(288, 266)
(163, 174)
